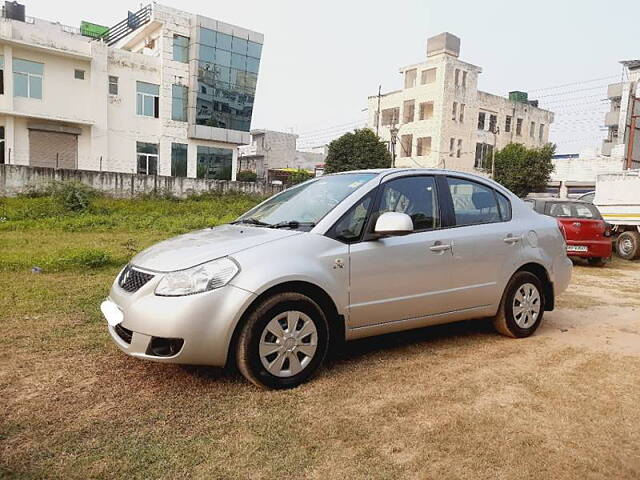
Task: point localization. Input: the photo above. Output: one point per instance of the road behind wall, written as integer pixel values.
(15, 179)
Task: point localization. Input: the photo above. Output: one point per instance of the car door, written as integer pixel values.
(401, 277)
(486, 243)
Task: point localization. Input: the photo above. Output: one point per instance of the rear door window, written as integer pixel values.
(473, 203)
(586, 211)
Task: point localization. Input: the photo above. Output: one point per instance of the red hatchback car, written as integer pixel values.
(587, 234)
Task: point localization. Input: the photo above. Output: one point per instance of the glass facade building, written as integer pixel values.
(227, 76)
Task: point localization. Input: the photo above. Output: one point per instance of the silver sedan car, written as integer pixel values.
(337, 258)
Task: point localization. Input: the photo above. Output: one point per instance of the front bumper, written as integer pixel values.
(199, 327)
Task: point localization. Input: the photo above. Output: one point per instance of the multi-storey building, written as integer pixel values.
(443, 120)
(270, 150)
(623, 121)
(163, 92)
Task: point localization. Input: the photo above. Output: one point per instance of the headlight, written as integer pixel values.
(202, 278)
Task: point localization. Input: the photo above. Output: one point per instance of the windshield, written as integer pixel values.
(307, 203)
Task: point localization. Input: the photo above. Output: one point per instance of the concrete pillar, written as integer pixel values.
(234, 164)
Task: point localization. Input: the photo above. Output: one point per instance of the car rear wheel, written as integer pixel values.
(283, 341)
(628, 245)
(522, 306)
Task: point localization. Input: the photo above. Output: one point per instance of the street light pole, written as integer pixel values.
(496, 131)
(394, 137)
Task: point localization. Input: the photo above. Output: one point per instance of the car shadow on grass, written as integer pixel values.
(391, 344)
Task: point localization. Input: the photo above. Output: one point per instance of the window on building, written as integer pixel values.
(541, 132)
(181, 48)
(484, 154)
(481, 120)
(452, 146)
(27, 78)
(1, 74)
(426, 110)
(507, 123)
(473, 203)
(459, 150)
(423, 146)
(147, 158)
(464, 79)
(179, 94)
(457, 77)
(518, 126)
(390, 116)
(462, 107)
(78, 74)
(410, 78)
(428, 76)
(214, 163)
(406, 142)
(179, 159)
(532, 130)
(147, 99)
(408, 111)
(493, 122)
(113, 85)
(454, 111)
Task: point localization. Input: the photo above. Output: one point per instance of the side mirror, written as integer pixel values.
(393, 223)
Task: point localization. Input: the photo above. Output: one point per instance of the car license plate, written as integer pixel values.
(111, 312)
(576, 248)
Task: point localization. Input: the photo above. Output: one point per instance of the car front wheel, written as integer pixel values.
(522, 306)
(283, 341)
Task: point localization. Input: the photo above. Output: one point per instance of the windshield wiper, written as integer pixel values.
(292, 224)
(252, 221)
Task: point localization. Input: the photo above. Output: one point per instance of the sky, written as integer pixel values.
(322, 59)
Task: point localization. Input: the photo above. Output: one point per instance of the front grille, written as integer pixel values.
(131, 280)
(124, 333)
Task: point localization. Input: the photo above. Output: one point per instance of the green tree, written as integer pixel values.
(357, 150)
(524, 170)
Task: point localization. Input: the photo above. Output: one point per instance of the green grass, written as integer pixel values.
(455, 401)
(41, 232)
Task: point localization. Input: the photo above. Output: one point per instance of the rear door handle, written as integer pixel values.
(511, 239)
(439, 247)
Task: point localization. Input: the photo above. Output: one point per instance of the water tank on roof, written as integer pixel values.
(14, 11)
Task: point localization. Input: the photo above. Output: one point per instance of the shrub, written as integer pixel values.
(71, 195)
(246, 176)
(299, 176)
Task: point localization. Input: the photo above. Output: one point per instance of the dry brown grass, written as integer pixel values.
(454, 401)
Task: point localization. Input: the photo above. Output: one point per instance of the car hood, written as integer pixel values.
(201, 246)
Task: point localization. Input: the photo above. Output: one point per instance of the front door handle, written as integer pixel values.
(511, 239)
(439, 247)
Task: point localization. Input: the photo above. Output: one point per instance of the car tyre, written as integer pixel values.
(628, 245)
(522, 306)
(284, 327)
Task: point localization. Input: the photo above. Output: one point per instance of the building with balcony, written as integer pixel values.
(163, 92)
(443, 120)
(623, 120)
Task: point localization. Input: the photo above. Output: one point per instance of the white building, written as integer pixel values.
(273, 150)
(445, 121)
(163, 92)
(623, 121)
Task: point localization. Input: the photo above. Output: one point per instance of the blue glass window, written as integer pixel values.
(223, 41)
(239, 45)
(214, 163)
(223, 58)
(180, 48)
(179, 103)
(27, 78)
(239, 61)
(254, 49)
(253, 64)
(207, 54)
(208, 37)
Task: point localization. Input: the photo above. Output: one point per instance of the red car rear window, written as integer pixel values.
(572, 210)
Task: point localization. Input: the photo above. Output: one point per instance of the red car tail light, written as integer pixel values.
(607, 229)
(562, 230)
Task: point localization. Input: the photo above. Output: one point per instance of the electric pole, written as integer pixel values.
(378, 112)
(496, 131)
(393, 130)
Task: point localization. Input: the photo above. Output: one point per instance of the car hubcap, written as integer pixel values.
(526, 305)
(626, 246)
(288, 343)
